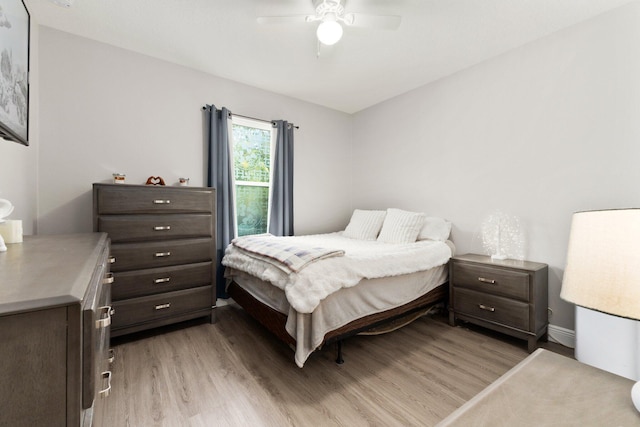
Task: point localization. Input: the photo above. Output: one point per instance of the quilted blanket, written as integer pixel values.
(362, 259)
(291, 256)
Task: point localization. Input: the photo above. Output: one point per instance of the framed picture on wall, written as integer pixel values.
(14, 71)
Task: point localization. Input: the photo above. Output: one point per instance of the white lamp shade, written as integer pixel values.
(635, 395)
(603, 262)
(329, 32)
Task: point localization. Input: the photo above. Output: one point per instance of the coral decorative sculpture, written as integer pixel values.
(503, 236)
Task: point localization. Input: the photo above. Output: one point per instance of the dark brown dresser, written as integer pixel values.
(508, 296)
(54, 330)
(163, 242)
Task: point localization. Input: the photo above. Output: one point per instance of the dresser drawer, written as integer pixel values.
(125, 228)
(136, 256)
(127, 199)
(145, 309)
(138, 283)
(508, 283)
(95, 334)
(493, 308)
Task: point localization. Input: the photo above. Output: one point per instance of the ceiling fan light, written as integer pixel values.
(329, 32)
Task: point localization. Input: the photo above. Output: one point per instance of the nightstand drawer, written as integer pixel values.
(136, 256)
(508, 283)
(138, 283)
(127, 199)
(131, 228)
(492, 308)
(144, 309)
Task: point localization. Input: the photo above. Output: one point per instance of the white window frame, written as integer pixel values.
(257, 124)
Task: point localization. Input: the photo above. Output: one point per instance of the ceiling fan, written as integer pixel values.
(331, 16)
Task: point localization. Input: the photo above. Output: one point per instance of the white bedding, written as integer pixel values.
(362, 260)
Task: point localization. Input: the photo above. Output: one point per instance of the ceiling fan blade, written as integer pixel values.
(382, 22)
(277, 20)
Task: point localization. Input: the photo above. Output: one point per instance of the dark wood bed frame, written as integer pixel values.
(275, 321)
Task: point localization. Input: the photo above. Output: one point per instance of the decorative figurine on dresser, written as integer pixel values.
(508, 296)
(163, 242)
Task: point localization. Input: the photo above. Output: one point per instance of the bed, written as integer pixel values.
(310, 291)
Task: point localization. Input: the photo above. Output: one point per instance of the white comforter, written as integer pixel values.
(362, 260)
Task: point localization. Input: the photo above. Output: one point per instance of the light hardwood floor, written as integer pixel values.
(234, 373)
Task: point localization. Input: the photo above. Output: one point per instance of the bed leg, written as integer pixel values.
(339, 359)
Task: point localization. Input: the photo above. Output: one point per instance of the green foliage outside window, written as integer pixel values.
(251, 164)
(251, 204)
(251, 154)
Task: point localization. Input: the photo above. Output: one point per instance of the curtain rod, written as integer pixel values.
(253, 118)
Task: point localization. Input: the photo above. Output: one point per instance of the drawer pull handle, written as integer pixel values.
(161, 202)
(112, 356)
(483, 280)
(162, 280)
(162, 227)
(108, 279)
(163, 306)
(112, 259)
(106, 376)
(487, 308)
(105, 314)
(162, 254)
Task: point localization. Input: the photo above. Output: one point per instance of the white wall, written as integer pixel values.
(106, 110)
(18, 176)
(542, 131)
(19, 163)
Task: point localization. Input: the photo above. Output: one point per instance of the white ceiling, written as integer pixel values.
(221, 37)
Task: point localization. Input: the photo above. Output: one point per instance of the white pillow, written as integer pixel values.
(435, 229)
(401, 226)
(364, 225)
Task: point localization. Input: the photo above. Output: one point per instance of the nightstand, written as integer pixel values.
(508, 296)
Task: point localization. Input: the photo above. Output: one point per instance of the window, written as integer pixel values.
(253, 144)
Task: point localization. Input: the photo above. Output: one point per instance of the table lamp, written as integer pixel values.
(603, 265)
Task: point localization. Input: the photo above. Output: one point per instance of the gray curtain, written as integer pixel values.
(220, 176)
(281, 215)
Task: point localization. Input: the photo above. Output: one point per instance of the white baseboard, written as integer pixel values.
(563, 336)
(220, 302)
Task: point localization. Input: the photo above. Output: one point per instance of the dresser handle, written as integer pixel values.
(106, 375)
(484, 307)
(112, 259)
(162, 227)
(163, 306)
(108, 279)
(161, 202)
(162, 254)
(105, 314)
(162, 280)
(112, 356)
(483, 280)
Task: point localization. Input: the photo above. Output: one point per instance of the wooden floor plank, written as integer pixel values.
(234, 373)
